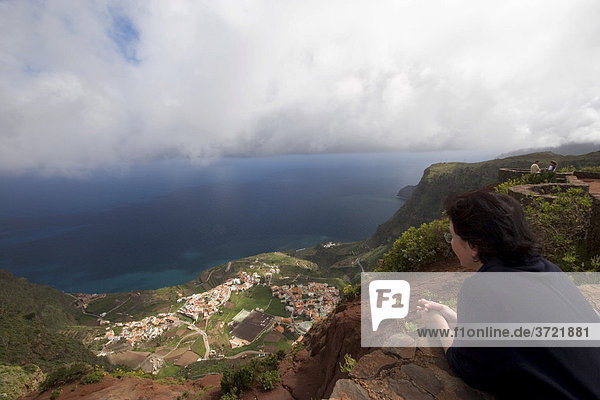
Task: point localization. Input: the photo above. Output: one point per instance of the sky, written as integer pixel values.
(87, 85)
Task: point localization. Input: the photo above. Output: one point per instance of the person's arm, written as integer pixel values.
(431, 316)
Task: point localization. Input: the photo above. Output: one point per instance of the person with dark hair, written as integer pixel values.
(535, 167)
(489, 233)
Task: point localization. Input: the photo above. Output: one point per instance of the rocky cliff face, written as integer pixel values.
(380, 373)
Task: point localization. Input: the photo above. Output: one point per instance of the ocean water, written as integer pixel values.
(163, 223)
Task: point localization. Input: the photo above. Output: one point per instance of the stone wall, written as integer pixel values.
(593, 238)
(523, 193)
(586, 175)
(505, 174)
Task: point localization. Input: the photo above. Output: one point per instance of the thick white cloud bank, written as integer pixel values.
(87, 84)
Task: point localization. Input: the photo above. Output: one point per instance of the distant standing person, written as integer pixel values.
(535, 167)
(552, 166)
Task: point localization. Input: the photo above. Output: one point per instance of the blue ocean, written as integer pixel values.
(162, 223)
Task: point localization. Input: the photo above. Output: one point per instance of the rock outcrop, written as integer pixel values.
(380, 373)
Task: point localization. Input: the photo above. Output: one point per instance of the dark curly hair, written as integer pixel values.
(494, 223)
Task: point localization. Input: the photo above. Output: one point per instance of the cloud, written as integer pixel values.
(86, 85)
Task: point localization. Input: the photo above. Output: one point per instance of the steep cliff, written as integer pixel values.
(439, 180)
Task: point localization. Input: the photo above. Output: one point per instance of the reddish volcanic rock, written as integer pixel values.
(317, 367)
(130, 388)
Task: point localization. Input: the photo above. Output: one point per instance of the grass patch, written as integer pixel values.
(169, 370)
(198, 369)
(198, 347)
(258, 296)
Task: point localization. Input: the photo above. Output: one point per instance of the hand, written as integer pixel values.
(437, 316)
(425, 306)
(432, 319)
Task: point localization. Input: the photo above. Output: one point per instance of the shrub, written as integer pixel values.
(55, 394)
(238, 380)
(590, 169)
(93, 377)
(280, 354)
(65, 374)
(349, 363)
(269, 379)
(544, 176)
(568, 168)
(351, 291)
(562, 224)
(269, 363)
(418, 247)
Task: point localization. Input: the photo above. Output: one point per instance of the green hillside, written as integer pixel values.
(441, 179)
(30, 319)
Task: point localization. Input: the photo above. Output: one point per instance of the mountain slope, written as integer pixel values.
(30, 319)
(441, 179)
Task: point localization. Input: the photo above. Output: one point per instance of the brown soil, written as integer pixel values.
(129, 388)
(273, 336)
(129, 358)
(187, 358)
(175, 355)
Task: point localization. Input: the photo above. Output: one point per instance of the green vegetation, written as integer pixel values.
(568, 168)
(198, 347)
(257, 296)
(64, 374)
(418, 247)
(528, 179)
(93, 377)
(50, 307)
(349, 363)
(295, 350)
(441, 169)
(168, 370)
(55, 394)
(441, 179)
(269, 379)
(284, 260)
(562, 224)
(133, 306)
(16, 381)
(24, 339)
(235, 381)
(590, 169)
(30, 319)
(198, 369)
(351, 291)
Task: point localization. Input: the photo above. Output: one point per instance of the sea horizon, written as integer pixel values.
(164, 223)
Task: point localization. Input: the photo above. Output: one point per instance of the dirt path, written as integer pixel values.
(594, 185)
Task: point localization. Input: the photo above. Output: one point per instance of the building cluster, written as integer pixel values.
(314, 300)
(139, 331)
(207, 303)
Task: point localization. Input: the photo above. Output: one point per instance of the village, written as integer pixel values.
(306, 303)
